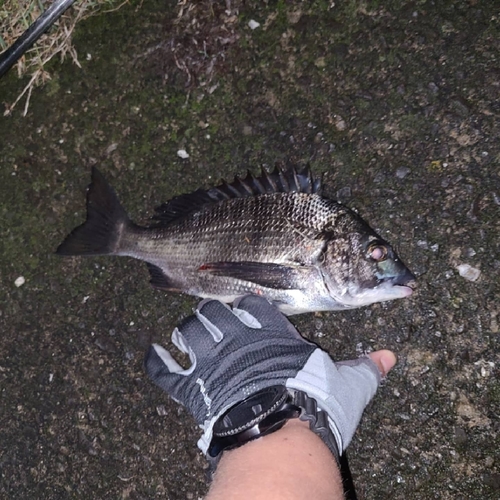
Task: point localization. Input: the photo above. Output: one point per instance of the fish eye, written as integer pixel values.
(377, 251)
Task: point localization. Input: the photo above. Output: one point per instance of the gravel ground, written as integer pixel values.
(395, 102)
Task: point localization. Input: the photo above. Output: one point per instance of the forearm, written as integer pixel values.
(292, 463)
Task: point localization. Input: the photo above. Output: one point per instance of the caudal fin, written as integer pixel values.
(106, 220)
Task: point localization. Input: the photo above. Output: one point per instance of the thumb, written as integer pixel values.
(384, 359)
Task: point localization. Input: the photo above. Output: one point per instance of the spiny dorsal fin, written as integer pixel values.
(280, 180)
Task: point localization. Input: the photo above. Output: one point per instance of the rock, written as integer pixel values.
(402, 172)
(468, 272)
(20, 281)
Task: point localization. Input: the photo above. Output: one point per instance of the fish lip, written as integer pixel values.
(403, 279)
(406, 289)
(383, 292)
(410, 283)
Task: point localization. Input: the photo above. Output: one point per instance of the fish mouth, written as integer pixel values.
(404, 290)
(404, 285)
(392, 291)
(389, 289)
(405, 282)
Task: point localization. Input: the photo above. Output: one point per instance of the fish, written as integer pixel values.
(273, 234)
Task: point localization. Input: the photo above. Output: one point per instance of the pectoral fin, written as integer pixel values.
(266, 274)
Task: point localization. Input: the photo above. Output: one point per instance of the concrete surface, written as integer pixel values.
(396, 102)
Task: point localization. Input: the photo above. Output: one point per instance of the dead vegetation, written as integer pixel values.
(16, 16)
(197, 39)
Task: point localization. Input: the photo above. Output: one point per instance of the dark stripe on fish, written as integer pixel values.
(261, 273)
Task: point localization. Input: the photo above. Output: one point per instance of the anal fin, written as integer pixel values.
(266, 274)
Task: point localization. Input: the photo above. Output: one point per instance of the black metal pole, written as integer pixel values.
(31, 35)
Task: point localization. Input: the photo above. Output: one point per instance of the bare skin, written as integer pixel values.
(292, 463)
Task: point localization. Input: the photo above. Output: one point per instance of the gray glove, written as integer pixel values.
(235, 353)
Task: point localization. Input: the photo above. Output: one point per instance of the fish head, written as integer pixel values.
(361, 268)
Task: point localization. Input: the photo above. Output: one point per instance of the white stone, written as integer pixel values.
(468, 272)
(182, 153)
(20, 281)
(253, 24)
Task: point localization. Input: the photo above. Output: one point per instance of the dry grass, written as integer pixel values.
(15, 18)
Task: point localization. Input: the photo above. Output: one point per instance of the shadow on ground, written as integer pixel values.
(397, 102)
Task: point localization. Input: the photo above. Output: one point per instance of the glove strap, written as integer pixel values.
(263, 413)
(318, 421)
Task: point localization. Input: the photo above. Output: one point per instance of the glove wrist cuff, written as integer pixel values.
(318, 421)
(263, 413)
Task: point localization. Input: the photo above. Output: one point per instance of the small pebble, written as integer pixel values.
(470, 252)
(340, 123)
(253, 24)
(468, 272)
(320, 62)
(402, 172)
(20, 281)
(182, 153)
(161, 410)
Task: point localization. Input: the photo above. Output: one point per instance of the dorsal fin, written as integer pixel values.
(280, 180)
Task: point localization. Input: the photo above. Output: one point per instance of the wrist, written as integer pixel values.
(294, 432)
(264, 413)
(302, 467)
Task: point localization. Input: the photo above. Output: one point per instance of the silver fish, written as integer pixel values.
(273, 235)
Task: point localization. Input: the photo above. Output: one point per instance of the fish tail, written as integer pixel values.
(106, 222)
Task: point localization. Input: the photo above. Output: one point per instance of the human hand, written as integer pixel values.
(237, 353)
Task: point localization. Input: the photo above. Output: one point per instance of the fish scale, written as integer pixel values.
(272, 235)
(250, 229)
